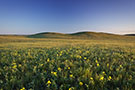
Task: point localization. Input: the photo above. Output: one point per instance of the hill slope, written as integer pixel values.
(78, 35)
(48, 35)
(129, 34)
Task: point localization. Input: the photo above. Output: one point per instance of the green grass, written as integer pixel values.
(67, 64)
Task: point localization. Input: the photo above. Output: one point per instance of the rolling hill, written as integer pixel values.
(78, 35)
(129, 34)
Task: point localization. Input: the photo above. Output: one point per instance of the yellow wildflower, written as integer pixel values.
(121, 66)
(97, 64)
(91, 78)
(107, 64)
(14, 66)
(101, 78)
(109, 78)
(103, 72)
(59, 69)
(20, 65)
(85, 58)
(80, 83)
(41, 65)
(71, 75)
(54, 73)
(70, 89)
(96, 61)
(48, 60)
(49, 82)
(68, 67)
(87, 85)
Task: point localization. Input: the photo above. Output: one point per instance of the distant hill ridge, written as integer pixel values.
(78, 35)
(129, 34)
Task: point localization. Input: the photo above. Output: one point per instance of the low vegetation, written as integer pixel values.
(67, 64)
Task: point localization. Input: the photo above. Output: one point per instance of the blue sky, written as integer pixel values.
(67, 16)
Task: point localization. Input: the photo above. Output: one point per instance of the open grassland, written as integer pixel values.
(67, 64)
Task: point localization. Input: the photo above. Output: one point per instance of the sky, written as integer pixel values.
(67, 16)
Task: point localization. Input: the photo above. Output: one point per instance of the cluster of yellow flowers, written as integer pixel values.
(23, 88)
(14, 66)
(90, 70)
(97, 63)
(54, 73)
(78, 56)
(92, 80)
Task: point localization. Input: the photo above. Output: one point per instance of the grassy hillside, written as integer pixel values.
(90, 61)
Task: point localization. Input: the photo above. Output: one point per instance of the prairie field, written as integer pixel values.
(67, 63)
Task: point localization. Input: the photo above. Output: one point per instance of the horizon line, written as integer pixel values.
(17, 34)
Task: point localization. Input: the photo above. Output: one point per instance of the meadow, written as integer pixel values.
(67, 64)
